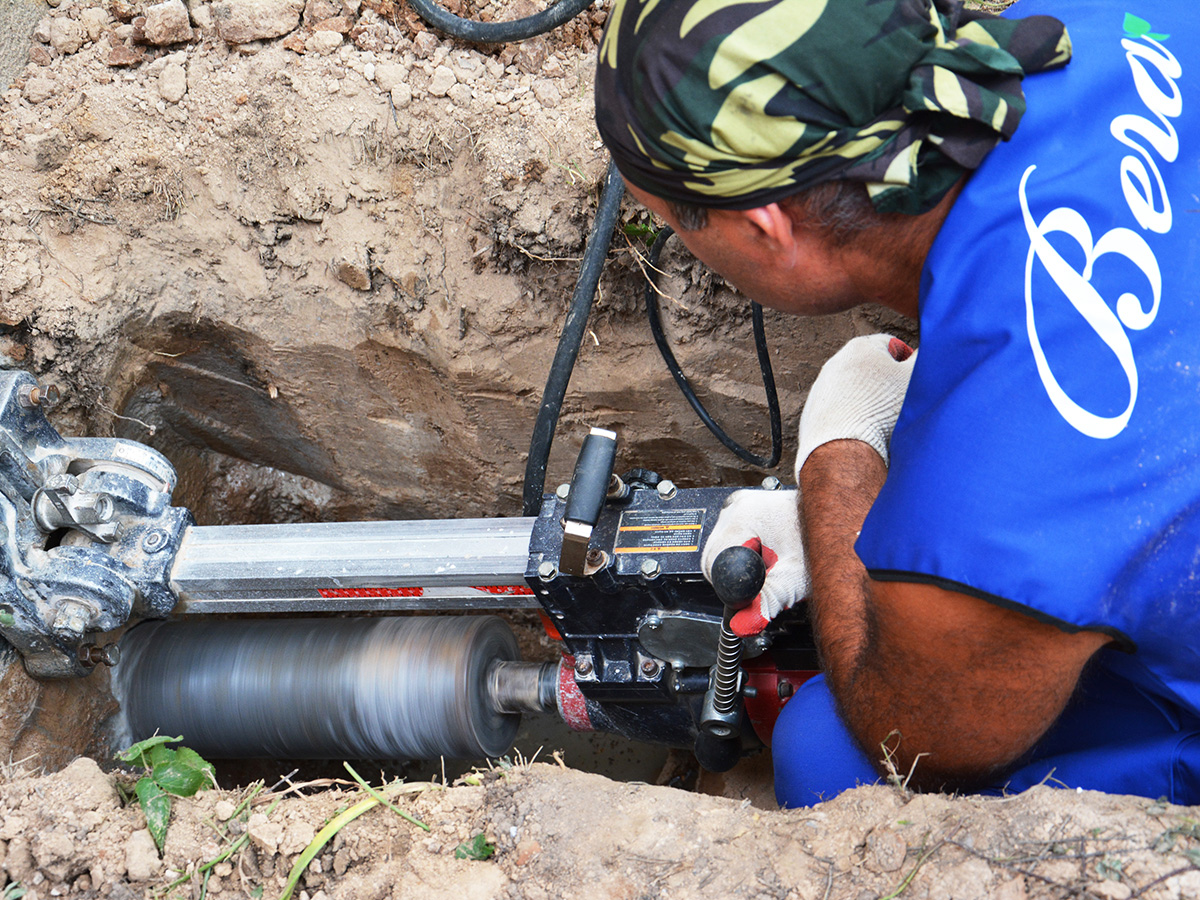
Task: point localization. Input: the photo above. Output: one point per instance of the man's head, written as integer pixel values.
(734, 104)
(823, 250)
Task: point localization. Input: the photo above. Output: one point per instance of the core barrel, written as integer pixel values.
(361, 688)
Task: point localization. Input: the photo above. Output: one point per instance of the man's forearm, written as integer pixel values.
(838, 484)
(882, 683)
(969, 686)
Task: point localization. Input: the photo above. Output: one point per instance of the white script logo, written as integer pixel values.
(1146, 196)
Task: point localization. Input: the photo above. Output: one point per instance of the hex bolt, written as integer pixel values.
(771, 483)
(71, 620)
(563, 491)
(583, 667)
(154, 541)
(666, 489)
(93, 509)
(91, 655)
(547, 571)
(650, 668)
(651, 568)
(595, 558)
(46, 396)
(756, 643)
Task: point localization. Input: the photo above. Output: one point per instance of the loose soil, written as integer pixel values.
(562, 833)
(324, 272)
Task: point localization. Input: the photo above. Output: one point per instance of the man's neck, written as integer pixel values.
(893, 255)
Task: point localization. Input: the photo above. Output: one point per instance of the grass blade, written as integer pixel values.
(382, 799)
(324, 836)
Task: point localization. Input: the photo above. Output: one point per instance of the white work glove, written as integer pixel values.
(857, 395)
(768, 523)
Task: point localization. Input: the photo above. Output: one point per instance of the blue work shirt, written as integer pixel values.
(1047, 457)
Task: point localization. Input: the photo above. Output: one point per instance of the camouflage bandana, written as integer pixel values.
(738, 103)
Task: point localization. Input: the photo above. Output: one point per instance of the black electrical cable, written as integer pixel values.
(571, 339)
(589, 275)
(499, 32)
(764, 364)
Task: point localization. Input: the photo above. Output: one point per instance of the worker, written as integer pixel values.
(1002, 530)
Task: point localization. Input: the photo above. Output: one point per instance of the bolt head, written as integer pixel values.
(91, 655)
(666, 489)
(46, 396)
(154, 541)
(654, 623)
(50, 395)
(651, 568)
(583, 667)
(563, 491)
(547, 571)
(771, 483)
(595, 557)
(71, 620)
(649, 668)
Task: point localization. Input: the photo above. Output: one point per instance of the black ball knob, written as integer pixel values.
(738, 574)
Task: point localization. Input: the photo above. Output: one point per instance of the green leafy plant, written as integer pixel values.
(14, 891)
(478, 847)
(640, 231)
(170, 772)
(6, 619)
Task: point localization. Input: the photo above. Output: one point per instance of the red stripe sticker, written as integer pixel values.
(334, 593)
(499, 590)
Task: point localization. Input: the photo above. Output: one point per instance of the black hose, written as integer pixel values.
(571, 339)
(499, 32)
(764, 365)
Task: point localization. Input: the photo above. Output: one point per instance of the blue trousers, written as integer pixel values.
(1113, 736)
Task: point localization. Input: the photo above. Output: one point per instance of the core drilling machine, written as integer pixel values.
(253, 641)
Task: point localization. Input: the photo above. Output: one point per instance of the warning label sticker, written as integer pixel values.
(659, 531)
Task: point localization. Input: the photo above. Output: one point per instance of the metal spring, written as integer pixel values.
(729, 655)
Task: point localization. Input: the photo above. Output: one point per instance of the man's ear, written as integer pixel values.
(776, 229)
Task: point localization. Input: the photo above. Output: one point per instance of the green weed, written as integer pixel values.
(169, 773)
(478, 847)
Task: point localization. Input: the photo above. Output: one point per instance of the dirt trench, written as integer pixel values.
(324, 273)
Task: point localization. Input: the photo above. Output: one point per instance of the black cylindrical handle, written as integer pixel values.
(738, 574)
(717, 754)
(593, 470)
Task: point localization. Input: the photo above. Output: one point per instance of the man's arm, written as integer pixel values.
(969, 683)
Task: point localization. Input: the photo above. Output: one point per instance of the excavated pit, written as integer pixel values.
(326, 278)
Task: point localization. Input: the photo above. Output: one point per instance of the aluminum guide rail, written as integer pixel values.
(354, 566)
